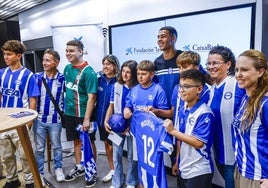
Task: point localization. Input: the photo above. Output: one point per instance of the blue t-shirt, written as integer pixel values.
(139, 98)
(151, 141)
(45, 108)
(251, 146)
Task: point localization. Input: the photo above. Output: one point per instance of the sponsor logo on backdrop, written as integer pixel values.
(150, 50)
(198, 47)
(155, 50)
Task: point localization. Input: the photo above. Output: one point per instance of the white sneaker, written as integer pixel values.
(112, 186)
(130, 186)
(59, 175)
(42, 180)
(108, 177)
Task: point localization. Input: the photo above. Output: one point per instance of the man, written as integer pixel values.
(167, 72)
(81, 88)
(18, 89)
(48, 120)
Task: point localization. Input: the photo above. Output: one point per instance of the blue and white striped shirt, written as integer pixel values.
(251, 146)
(47, 112)
(17, 87)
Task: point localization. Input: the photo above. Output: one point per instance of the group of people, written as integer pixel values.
(205, 118)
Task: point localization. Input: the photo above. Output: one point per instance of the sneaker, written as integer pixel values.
(12, 184)
(30, 185)
(108, 177)
(74, 173)
(112, 186)
(130, 186)
(59, 175)
(42, 179)
(92, 182)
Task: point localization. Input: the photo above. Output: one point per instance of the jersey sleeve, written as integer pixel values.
(161, 100)
(204, 126)
(33, 89)
(129, 100)
(166, 144)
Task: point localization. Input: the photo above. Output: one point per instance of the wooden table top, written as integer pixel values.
(7, 122)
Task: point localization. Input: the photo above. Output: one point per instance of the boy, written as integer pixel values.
(148, 96)
(81, 88)
(195, 134)
(18, 89)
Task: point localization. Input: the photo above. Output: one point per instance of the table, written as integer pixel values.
(9, 123)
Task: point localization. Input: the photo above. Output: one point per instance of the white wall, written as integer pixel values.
(37, 22)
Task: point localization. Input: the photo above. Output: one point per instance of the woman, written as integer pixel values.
(127, 79)
(251, 121)
(225, 98)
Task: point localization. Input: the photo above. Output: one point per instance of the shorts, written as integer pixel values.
(104, 135)
(71, 132)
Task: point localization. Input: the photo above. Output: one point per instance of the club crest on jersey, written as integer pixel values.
(170, 70)
(148, 123)
(228, 95)
(18, 82)
(150, 97)
(191, 121)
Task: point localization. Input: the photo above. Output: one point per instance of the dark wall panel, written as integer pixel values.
(9, 30)
(265, 27)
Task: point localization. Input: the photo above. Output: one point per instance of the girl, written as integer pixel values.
(127, 79)
(107, 78)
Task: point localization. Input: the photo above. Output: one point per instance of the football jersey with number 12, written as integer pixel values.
(151, 142)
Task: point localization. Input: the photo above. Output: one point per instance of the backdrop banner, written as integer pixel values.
(90, 34)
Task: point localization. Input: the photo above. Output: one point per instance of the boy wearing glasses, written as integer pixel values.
(195, 133)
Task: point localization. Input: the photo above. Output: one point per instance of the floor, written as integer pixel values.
(68, 164)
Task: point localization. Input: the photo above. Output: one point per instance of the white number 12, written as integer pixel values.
(148, 143)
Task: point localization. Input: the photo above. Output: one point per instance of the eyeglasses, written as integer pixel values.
(214, 63)
(186, 87)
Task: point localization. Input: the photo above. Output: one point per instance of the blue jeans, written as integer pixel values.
(227, 172)
(40, 131)
(132, 173)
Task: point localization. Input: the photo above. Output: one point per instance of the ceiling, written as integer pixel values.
(11, 8)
